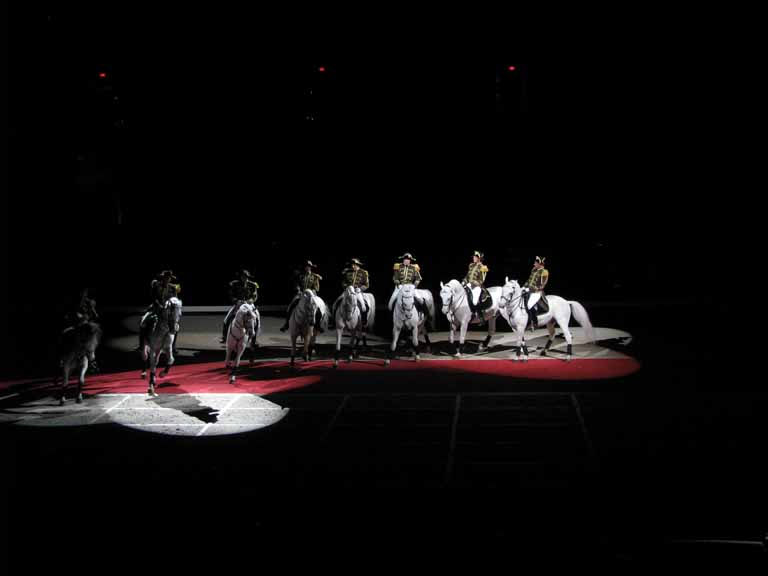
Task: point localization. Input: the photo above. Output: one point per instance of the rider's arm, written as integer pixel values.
(544, 279)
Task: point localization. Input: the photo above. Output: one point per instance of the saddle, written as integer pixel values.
(484, 301)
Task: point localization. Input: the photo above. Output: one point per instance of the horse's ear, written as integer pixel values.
(442, 285)
(506, 279)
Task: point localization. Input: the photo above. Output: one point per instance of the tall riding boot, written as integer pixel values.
(364, 315)
(292, 305)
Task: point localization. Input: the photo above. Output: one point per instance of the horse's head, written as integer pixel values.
(510, 292)
(310, 305)
(407, 294)
(350, 296)
(248, 316)
(446, 296)
(173, 310)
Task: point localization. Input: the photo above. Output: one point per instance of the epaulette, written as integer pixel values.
(397, 266)
(319, 277)
(417, 267)
(484, 268)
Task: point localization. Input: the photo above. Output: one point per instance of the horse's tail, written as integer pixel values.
(372, 313)
(431, 307)
(581, 316)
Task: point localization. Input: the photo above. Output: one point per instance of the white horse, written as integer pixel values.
(456, 308)
(77, 347)
(243, 330)
(348, 317)
(405, 314)
(309, 316)
(161, 340)
(559, 312)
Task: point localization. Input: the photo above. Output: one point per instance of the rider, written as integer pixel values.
(241, 289)
(408, 272)
(306, 280)
(84, 311)
(474, 283)
(354, 275)
(163, 288)
(533, 290)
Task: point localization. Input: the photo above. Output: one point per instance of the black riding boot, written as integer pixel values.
(363, 315)
(291, 306)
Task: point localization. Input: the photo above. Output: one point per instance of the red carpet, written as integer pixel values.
(269, 377)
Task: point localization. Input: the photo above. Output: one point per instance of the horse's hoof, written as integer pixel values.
(516, 358)
(335, 363)
(231, 379)
(568, 358)
(457, 356)
(61, 401)
(349, 359)
(386, 362)
(143, 375)
(79, 399)
(418, 358)
(543, 353)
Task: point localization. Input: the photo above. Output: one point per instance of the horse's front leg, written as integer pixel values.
(305, 344)
(64, 382)
(462, 337)
(169, 355)
(415, 342)
(145, 353)
(238, 355)
(81, 380)
(393, 346)
(353, 338)
(153, 357)
(294, 335)
(336, 352)
(522, 348)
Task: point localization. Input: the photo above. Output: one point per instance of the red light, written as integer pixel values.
(102, 74)
(321, 69)
(512, 68)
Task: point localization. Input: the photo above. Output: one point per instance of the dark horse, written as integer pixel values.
(77, 347)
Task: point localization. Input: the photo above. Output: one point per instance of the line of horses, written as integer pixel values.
(311, 316)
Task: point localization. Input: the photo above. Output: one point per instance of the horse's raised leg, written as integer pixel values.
(170, 359)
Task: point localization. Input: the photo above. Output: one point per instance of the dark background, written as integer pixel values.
(196, 153)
